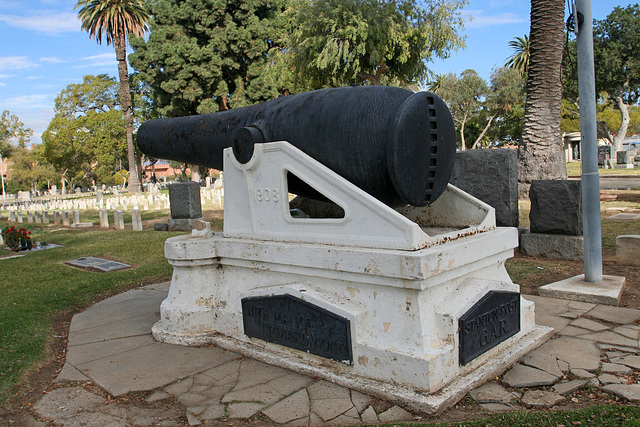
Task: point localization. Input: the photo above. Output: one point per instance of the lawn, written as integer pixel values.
(575, 169)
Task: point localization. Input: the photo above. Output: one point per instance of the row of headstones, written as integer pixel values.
(73, 218)
(112, 203)
(214, 196)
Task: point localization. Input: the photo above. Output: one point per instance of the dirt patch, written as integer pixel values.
(542, 271)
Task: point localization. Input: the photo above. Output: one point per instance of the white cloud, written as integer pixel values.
(16, 63)
(34, 77)
(98, 61)
(480, 20)
(2, 84)
(6, 76)
(27, 102)
(49, 23)
(52, 60)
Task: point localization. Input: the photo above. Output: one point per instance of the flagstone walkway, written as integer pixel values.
(110, 345)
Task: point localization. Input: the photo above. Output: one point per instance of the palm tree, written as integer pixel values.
(520, 58)
(540, 152)
(115, 20)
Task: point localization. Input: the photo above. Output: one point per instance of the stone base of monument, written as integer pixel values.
(558, 246)
(414, 306)
(182, 224)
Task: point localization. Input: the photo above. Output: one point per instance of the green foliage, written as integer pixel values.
(12, 130)
(112, 18)
(29, 169)
(617, 50)
(519, 61)
(342, 42)
(616, 42)
(464, 96)
(85, 141)
(475, 106)
(208, 55)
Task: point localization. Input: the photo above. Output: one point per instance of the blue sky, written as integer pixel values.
(43, 50)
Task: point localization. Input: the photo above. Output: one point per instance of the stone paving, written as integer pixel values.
(111, 349)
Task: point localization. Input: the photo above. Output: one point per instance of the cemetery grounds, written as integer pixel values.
(39, 294)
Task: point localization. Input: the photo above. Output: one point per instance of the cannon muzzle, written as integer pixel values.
(397, 145)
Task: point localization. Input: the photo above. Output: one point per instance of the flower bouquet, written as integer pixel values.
(16, 238)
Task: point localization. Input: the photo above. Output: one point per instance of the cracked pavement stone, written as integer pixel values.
(541, 398)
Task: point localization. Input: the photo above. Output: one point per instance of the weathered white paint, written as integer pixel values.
(257, 206)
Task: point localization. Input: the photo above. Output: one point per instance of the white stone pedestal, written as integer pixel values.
(402, 304)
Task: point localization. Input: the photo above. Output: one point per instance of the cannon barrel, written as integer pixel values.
(397, 145)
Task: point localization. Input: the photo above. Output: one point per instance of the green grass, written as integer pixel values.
(35, 289)
(601, 416)
(575, 169)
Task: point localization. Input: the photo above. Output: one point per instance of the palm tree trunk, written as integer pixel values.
(125, 102)
(540, 153)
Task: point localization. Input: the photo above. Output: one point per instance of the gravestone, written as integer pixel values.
(56, 218)
(76, 216)
(29, 217)
(98, 264)
(556, 207)
(104, 218)
(65, 218)
(37, 217)
(605, 154)
(625, 157)
(628, 250)
(118, 220)
(19, 217)
(45, 217)
(136, 220)
(555, 220)
(12, 216)
(185, 205)
(491, 175)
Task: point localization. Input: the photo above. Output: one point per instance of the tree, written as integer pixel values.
(617, 46)
(540, 152)
(85, 140)
(29, 170)
(12, 130)
(519, 61)
(504, 100)
(463, 95)
(475, 106)
(342, 42)
(205, 56)
(116, 20)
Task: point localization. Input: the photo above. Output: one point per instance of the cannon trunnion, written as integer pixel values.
(397, 145)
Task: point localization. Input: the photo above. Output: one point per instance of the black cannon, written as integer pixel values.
(397, 145)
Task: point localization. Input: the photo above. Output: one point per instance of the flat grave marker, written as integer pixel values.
(624, 217)
(98, 264)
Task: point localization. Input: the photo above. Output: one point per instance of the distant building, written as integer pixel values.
(162, 171)
(572, 146)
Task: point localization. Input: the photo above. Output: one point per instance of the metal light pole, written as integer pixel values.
(590, 179)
